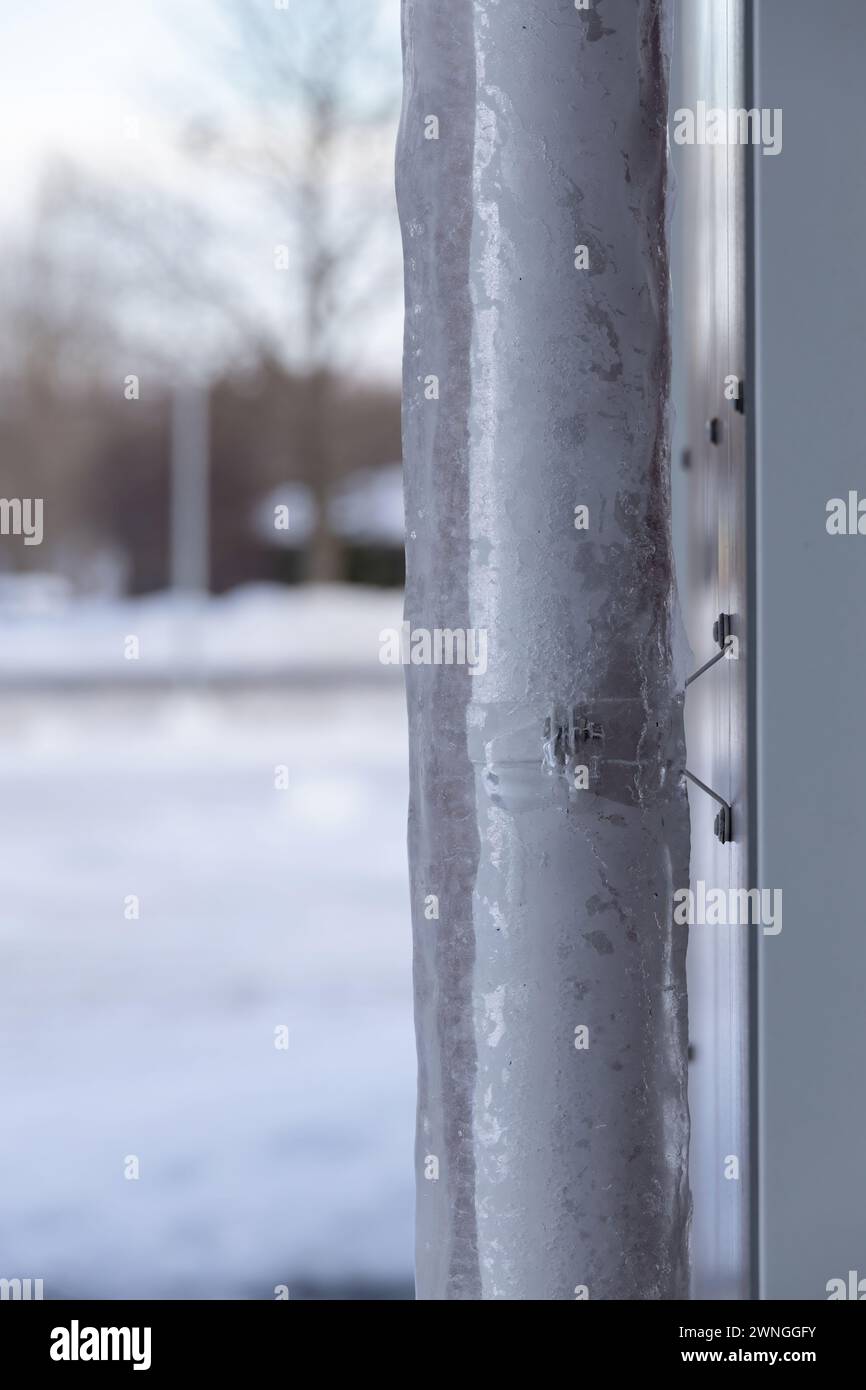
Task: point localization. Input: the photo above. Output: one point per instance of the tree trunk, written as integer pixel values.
(325, 551)
(550, 980)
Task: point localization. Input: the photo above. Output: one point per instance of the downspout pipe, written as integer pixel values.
(548, 822)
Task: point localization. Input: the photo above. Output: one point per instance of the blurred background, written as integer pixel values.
(206, 1039)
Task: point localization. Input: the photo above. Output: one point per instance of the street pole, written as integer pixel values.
(190, 491)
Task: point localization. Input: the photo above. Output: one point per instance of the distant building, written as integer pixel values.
(366, 514)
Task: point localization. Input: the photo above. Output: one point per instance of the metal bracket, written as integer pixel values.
(722, 634)
(723, 824)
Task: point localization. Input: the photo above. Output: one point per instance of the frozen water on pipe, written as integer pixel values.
(551, 1006)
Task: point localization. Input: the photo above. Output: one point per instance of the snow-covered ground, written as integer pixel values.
(259, 631)
(155, 1037)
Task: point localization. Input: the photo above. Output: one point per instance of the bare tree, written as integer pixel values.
(323, 90)
(59, 336)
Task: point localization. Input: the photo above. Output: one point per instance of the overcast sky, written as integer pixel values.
(71, 71)
(108, 83)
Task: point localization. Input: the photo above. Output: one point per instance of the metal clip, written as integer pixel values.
(723, 823)
(722, 634)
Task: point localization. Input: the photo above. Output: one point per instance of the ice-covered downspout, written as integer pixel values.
(548, 819)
